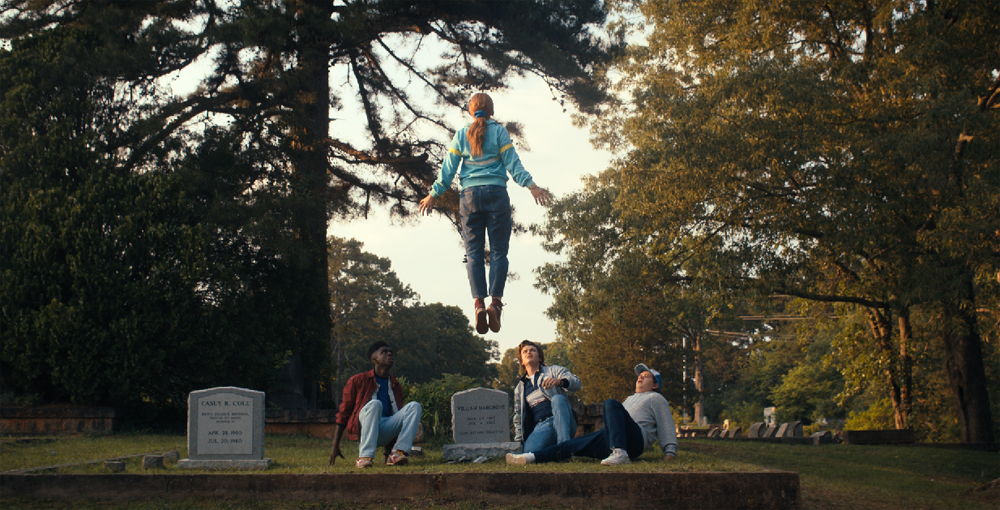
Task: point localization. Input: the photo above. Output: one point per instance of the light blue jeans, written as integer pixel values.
(555, 429)
(485, 210)
(378, 430)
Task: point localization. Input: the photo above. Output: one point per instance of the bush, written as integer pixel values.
(435, 398)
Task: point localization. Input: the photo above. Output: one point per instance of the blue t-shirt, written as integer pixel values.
(383, 396)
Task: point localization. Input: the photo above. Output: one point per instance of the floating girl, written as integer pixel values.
(485, 154)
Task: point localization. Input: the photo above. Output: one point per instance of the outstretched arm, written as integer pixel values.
(338, 433)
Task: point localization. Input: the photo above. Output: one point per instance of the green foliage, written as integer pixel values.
(742, 415)
(122, 288)
(435, 398)
(838, 155)
(877, 416)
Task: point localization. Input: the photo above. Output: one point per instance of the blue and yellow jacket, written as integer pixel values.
(491, 168)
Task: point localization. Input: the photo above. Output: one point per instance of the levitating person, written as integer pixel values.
(483, 155)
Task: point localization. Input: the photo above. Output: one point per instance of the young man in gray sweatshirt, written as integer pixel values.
(630, 428)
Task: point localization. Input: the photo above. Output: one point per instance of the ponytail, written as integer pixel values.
(480, 107)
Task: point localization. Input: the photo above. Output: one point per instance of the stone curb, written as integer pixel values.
(776, 490)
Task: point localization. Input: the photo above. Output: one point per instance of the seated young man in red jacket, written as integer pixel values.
(371, 414)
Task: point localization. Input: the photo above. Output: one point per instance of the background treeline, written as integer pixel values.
(804, 211)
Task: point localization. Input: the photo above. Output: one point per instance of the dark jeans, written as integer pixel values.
(486, 210)
(620, 431)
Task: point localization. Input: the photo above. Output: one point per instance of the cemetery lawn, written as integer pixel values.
(831, 476)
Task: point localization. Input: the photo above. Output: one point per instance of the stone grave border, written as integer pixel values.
(777, 490)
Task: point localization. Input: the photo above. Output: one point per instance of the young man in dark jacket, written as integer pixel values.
(370, 412)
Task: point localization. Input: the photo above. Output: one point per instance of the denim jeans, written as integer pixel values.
(378, 430)
(485, 210)
(620, 431)
(555, 429)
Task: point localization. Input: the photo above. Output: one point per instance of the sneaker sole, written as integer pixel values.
(606, 463)
(481, 322)
(494, 319)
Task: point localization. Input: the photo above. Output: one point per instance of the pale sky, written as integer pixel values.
(427, 253)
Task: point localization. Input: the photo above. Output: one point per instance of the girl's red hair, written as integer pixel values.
(477, 131)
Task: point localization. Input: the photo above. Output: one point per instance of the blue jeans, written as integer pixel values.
(555, 429)
(620, 431)
(486, 210)
(378, 430)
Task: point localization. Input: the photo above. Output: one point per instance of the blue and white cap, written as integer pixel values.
(641, 367)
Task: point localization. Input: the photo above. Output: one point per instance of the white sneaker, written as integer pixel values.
(520, 458)
(617, 457)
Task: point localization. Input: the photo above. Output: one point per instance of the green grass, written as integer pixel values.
(831, 476)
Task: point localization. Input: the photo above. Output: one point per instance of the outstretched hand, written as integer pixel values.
(541, 195)
(334, 453)
(427, 205)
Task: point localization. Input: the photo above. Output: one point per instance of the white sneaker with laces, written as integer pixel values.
(520, 458)
(617, 457)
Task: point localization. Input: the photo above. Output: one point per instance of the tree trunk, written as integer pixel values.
(882, 331)
(699, 382)
(905, 365)
(966, 373)
(309, 127)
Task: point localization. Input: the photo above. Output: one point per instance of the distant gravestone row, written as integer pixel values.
(789, 431)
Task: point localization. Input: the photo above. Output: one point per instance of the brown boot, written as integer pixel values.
(482, 325)
(494, 311)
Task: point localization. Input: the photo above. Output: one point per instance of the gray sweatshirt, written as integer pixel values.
(651, 412)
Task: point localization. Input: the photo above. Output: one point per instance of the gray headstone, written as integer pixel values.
(716, 432)
(152, 461)
(794, 429)
(770, 431)
(480, 415)
(782, 430)
(756, 429)
(736, 432)
(225, 429)
(481, 425)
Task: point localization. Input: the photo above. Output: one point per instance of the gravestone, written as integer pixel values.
(735, 432)
(790, 429)
(756, 429)
(770, 431)
(782, 430)
(794, 429)
(481, 425)
(225, 429)
(716, 432)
